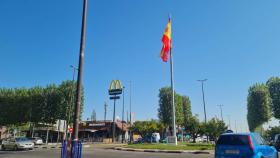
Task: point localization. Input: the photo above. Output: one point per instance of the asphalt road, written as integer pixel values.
(96, 153)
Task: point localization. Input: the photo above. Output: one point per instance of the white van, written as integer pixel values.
(156, 137)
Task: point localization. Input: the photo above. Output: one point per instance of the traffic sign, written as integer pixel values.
(115, 97)
(70, 130)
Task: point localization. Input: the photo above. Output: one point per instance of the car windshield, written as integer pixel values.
(233, 140)
(22, 139)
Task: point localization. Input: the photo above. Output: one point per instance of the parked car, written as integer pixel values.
(251, 145)
(17, 143)
(37, 140)
(276, 142)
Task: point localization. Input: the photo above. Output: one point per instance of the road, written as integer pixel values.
(96, 153)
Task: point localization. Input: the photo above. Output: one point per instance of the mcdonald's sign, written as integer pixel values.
(115, 87)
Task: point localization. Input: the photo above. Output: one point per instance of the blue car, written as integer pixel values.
(237, 145)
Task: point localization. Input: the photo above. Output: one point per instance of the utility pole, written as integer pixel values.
(93, 115)
(71, 102)
(130, 133)
(123, 116)
(74, 149)
(221, 108)
(105, 111)
(235, 126)
(229, 125)
(202, 88)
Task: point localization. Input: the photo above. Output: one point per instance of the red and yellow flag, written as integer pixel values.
(166, 41)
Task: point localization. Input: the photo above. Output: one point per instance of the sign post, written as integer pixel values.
(115, 90)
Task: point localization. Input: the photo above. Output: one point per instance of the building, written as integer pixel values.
(101, 131)
(3, 132)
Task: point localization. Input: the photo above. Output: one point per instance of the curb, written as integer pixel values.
(56, 147)
(47, 147)
(164, 151)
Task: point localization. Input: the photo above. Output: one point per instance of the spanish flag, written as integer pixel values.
(166, 41)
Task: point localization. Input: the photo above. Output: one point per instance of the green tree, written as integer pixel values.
(165, 106)
(186, 107)
(146, 128)
(271, 132)
(52, 102)
(274, 89)
(182, 107)
(194, 127)
(37, 104)
(258, 106)
(214, 128)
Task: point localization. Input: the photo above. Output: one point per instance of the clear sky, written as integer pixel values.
(233, 44)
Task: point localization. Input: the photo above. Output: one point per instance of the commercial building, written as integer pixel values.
(101, 131)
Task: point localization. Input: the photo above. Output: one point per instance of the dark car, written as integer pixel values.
(277, 141)
(250, 145)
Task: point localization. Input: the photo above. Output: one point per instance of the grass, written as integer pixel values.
(180, 146)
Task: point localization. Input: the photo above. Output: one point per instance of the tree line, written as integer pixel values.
(19, 106)
(185, 120)
(263, 102)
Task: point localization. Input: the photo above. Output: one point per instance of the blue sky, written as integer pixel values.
(233, 44)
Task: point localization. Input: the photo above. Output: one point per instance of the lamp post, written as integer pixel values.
(130, 133)
(123, 116)
(71, 104)
(202, 88)
(229, 125)
(221, 108)
(105, 111)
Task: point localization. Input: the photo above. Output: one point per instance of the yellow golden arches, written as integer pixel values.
(115, 84)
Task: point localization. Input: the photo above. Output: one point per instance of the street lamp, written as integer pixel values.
(202, 88)
(71, 98)
(229, 125)
(130, 132)
(123, 115)
(221, 108)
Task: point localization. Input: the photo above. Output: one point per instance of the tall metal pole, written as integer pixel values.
(130, 133)
(221, 108)
(235, 126)
(123, 116)
(229, 125)
(70, 102)
(114, 121)
(173, 93)
(202, 88)
(80, 75)
(105, 111)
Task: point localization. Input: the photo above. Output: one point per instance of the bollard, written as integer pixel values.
(80, 147)
(63, 149)
(74, 147)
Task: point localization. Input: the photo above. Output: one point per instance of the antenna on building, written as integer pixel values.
(105, 111)
(93, 115)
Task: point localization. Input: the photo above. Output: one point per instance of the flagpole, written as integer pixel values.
(173, 93)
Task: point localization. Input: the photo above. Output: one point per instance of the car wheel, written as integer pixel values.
(15, 148)
(3, 148)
